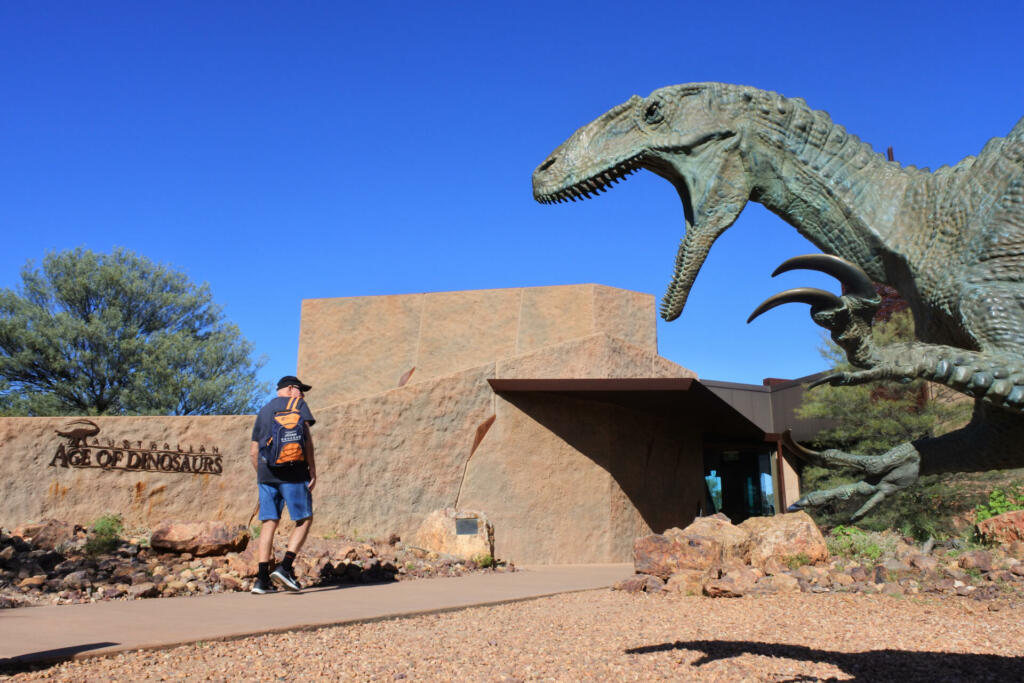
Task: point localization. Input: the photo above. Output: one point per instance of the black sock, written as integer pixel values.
(289, 557)
(263, 573)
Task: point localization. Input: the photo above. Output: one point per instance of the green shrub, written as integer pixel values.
(105, 535)
(857, 544)
(797, 561)
(999, 501)
(483, 560)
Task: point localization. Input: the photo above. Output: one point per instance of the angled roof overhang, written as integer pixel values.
(682, 399)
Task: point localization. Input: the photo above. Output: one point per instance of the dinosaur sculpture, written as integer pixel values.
(951, 242)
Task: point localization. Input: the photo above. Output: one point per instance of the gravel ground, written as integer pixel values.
(612, 636)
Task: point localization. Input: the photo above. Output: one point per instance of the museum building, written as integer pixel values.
(546, 410)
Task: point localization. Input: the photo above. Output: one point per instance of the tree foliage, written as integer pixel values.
(116, 334)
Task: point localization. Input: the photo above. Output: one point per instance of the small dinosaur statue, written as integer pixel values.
(951, 242)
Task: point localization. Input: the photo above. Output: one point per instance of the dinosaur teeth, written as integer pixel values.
(598, 183)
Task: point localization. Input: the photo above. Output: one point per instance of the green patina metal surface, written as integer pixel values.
(950, 241)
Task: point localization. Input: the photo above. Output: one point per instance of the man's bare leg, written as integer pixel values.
(298, 535)
(265, 552)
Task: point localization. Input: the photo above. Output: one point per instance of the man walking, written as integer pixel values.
(282, 454)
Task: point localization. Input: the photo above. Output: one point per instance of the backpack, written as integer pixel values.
(286, 445)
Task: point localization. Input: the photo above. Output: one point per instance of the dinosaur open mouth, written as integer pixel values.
(596, 183)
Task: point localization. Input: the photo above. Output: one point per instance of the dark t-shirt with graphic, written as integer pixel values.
(261, 431)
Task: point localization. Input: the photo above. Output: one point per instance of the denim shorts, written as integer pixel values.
(296, 495)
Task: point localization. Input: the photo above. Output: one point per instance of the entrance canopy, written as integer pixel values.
(671, 398)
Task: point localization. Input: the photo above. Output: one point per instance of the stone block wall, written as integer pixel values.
(360, 346)
(144, 468)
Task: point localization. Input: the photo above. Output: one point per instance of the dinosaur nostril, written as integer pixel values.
(547, 164)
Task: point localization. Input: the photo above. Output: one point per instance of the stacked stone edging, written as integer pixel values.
(787, 553)
(46, 563)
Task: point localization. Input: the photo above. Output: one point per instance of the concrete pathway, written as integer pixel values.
(32, 634)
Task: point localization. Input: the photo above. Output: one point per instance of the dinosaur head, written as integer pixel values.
(687, 134)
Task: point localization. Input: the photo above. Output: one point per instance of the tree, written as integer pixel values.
(116, 334)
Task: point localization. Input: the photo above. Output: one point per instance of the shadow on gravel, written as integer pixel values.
(43, 659)
(875, 665)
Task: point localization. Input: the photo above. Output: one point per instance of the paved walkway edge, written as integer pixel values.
(46, 635)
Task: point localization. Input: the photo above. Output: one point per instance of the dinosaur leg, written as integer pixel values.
(883, 475)
(992, 440)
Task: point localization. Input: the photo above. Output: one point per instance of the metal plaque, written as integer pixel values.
(467, 527)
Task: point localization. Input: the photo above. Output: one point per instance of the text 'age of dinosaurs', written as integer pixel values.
(951, 242)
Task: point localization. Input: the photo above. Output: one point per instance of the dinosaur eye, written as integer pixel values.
(652, 114)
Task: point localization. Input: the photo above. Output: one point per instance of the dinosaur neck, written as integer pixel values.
(835, 189)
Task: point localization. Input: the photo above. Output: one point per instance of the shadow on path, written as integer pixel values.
(874, 665)
(46, 658)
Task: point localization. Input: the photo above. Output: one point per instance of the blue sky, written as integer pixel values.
(282, 151)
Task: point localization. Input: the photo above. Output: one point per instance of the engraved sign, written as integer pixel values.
(467, 527)
(131, 456)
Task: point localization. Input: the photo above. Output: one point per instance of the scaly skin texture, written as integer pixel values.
(951, 242)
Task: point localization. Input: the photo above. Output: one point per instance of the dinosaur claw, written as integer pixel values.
(819, 299)
(827, 379)
(856, 281)
(802, 452)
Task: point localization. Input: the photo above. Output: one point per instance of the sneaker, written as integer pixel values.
(260, 587)
(286, 579)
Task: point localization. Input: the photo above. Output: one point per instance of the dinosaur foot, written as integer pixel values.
(884, 475)
(848, 317)
(995, 378)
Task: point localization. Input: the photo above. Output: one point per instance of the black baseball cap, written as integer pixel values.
(292, 381)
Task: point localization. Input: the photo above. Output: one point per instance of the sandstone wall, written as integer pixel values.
(562, 481)
(35, 484)
(360, 346)
(569, 481)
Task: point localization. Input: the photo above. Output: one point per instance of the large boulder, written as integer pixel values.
(734, 584)
(1004, 529)
(199, 538)
(662, 556)
(718, 528)
(49, 534)
(464, 534)
(976, 559)
(687, 581)
(783, 537)
(244, 563)
(639, 583)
